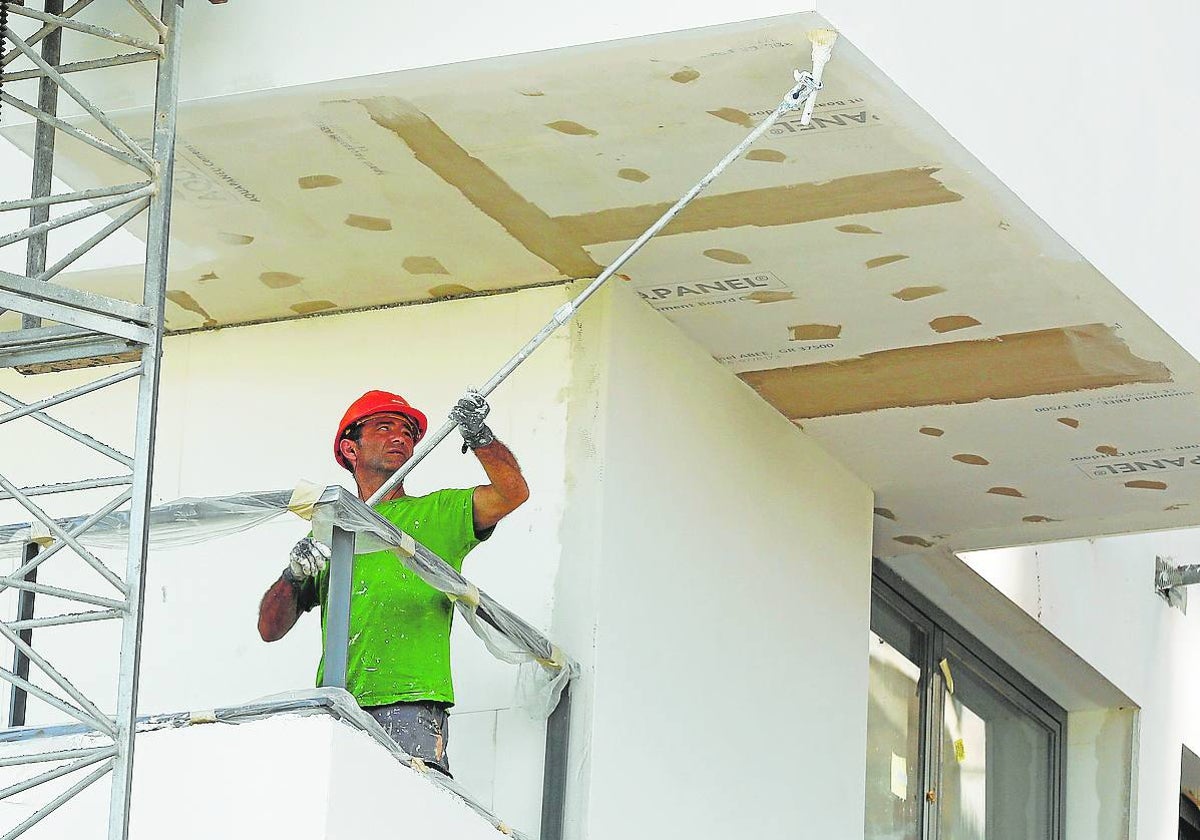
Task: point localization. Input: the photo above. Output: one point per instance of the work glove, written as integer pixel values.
(469, 413)
(308, 557)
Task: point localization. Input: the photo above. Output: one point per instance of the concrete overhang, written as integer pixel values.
(865, 275)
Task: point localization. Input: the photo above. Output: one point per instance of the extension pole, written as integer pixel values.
(806, 86)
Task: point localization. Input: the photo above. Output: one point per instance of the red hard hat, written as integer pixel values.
(375, 402)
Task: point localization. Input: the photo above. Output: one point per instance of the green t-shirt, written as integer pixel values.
(400, 625)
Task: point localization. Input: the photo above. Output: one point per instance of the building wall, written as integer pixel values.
(1098, 597)
(720, 561)
(305, 777)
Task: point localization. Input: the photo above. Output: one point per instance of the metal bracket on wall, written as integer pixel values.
(1170, 581)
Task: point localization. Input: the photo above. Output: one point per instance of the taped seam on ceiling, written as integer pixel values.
(540, 234)
(560, 240)
(1056, 361)
(874, 192)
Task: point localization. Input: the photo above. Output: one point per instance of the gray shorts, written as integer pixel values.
(421, 729)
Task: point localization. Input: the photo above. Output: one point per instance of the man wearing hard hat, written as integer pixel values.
(398, 667)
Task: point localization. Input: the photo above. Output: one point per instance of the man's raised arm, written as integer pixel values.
(507, 489)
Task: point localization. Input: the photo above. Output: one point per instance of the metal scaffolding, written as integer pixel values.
(62, 326)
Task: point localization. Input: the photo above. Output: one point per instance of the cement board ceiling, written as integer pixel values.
(865, 275)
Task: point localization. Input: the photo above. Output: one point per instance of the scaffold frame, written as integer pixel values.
(87, 329)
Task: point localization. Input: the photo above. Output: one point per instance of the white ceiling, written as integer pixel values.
(867, 276)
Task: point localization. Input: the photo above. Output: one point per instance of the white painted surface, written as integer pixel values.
(1079, 107)
(728, 601)
(302, 777)
(256, 409)
(1098, 598)
(251, 46)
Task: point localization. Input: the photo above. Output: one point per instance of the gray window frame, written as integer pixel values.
(943, 636)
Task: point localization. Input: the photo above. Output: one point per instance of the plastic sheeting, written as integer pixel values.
(544, 668)
(183, 522)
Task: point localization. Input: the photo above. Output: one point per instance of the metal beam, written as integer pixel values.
(84, 301)
(68, 486)
(69, 394)
(85, 350)
(57, 802)
(83, 102)
(68, 197)
(43, 158)
(75, 531)
(80, 66)
(87, 28)
(93, 209)
(77, 133)
(67, 314)
(45, 31)
(1170, 581)
(76, 435)
(555, 771)
(337, 613)
(64, 619)
(154, 299)
(18, 696)
(116, 223)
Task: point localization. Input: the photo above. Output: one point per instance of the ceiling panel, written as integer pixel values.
(865, 275)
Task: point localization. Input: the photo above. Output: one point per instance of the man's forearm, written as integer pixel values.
(507, 490)
(503, 472)
(279, 610)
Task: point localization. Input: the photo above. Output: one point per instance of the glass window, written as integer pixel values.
(894, 728)
(959, 747)
(996, 764)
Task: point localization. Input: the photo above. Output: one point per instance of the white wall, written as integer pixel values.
(1098, 597)
(252, 46)
(256, 409)
(301, 777)
(721, 562)
(1080, 107)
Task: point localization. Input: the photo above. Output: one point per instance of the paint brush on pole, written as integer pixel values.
(802, 95)
(822, 41)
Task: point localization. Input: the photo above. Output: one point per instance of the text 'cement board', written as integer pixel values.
(865, 275)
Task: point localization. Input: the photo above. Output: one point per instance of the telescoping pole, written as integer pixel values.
(797, 98)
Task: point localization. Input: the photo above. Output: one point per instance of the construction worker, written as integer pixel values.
(398, 666)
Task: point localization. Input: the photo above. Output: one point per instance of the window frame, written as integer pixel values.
(943, 637)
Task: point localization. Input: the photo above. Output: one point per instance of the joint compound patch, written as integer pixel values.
(674, 297)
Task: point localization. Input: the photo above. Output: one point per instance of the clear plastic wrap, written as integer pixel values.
(544, 668)
(183, 522)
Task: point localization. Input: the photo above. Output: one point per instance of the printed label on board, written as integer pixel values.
(1141, 462)
(1113, 400)
(838, 115)
(197, 176)
(675, 297)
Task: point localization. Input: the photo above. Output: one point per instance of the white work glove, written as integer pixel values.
(308, 557)
(469, 413)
